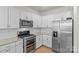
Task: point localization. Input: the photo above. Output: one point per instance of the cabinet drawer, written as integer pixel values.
(7, 48)
(19, 46)
(4, 51)
(2, 48)
(19, 49)
(19, 42)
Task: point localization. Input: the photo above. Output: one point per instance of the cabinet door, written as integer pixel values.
(3, 49)
(24, 15)
(50, 22)
(45, 40)
(14, 16)
(10, 48)
(50, 41)
(3, 16)
(41, 40)
(38, 41)
(19, 46)
(29, 16)
(44, 22)
(35, 22)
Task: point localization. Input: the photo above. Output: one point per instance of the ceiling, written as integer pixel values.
(43, 8)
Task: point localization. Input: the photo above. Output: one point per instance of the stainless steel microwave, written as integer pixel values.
(26, 23)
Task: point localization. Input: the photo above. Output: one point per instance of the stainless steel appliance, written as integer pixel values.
(55, 39)
(26, 23)
(29, 41)
(62, 36)
(66, 43)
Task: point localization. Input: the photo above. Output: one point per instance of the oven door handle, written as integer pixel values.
(30, 44)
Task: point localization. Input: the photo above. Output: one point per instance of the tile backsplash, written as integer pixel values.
(8, 33)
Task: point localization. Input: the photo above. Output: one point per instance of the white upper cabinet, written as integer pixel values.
(44, 21)
(45, 40)
(26, 15)
(49, 41)
(35, 22)
(29, 16)
(38, 41)
(14, 17)
(39, 21)
(3, 17)
(50, 20)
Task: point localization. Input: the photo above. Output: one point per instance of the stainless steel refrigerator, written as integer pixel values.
(62, 40)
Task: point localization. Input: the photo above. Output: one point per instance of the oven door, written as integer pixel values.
(30, 48)
(29, 45)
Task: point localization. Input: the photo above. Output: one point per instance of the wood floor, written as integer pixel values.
(44, 49)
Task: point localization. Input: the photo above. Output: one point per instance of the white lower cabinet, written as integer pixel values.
(19, 46)
(35, 22)
(16, 47)
(10, 48)
(38, 41)
(47, 41)
(44, 40)
(50, 41)
(44, 22)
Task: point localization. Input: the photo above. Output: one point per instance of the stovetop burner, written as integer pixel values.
(25, 36)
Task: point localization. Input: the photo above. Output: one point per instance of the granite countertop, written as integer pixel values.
(43, 33)
(9, 40)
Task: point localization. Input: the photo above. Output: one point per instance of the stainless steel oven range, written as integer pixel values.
(29, 44)
(29, 41)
